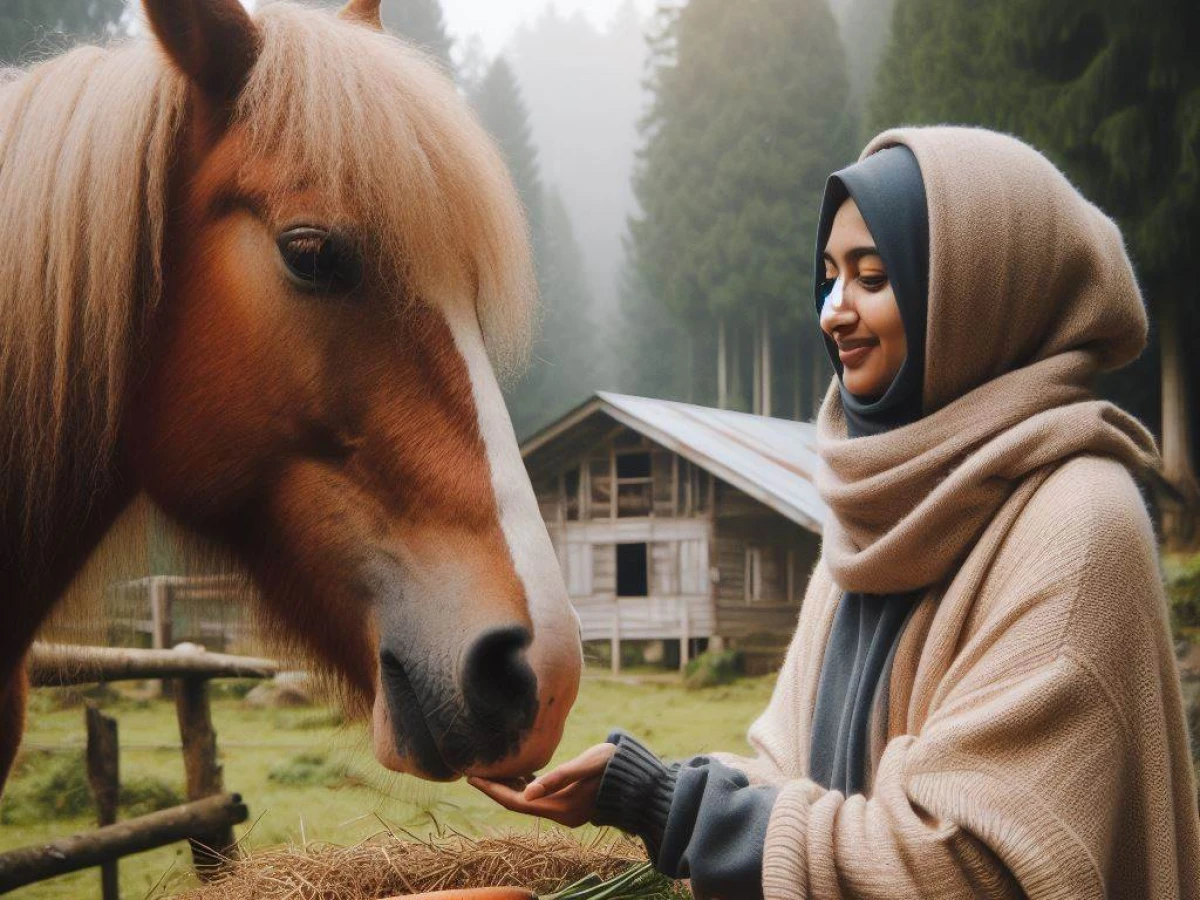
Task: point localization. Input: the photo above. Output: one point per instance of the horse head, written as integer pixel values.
(345, 262)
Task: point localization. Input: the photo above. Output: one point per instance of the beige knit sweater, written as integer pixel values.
(1034, 743)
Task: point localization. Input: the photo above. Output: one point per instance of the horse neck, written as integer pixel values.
(35, 571)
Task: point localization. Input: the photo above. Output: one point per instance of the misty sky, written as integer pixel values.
(495, 20)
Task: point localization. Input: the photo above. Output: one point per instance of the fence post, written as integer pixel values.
(103, 772)
(203, 772)
(160, 623)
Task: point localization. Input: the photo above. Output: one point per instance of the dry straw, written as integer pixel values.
(386, 866)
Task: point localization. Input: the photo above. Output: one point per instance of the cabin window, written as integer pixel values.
(633, 570)
(571, 494)
(767, 575)
(633, 465)
(635, 484)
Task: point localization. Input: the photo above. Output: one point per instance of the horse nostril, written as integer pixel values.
(497, 681)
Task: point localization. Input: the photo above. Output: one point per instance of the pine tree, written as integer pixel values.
(1111, 92)
(562, 371)
(865, 25)
(422, 23)
(497, 100)
(33, 30)
(750, 113)
(584, 89)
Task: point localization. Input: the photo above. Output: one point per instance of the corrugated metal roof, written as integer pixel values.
(772, 460)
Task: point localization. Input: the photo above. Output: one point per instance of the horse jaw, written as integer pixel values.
(555, 654)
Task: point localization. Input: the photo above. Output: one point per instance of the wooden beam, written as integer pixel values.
(160, 629)
(64, 664)
(93, 848)
(103, 772)
(615, 640)
(684, 633)
(203, 773)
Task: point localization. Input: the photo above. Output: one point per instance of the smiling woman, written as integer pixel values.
(981, 696)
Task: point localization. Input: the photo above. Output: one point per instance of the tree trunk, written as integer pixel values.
(735, 372)
(691, 367)
(1180, 518)
(722, 368)
(764, 365)
(756, 368)
(797, 387)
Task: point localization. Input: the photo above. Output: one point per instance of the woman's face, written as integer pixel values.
(860, 313)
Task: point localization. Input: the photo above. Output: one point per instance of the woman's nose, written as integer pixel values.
(835, 311)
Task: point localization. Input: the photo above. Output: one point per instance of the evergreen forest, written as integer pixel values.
(671, 163)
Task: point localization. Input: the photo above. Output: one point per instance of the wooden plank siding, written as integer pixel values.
(703, 538)
(643, 618)
(785, 554)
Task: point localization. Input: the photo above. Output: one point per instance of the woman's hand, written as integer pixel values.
(566, 795)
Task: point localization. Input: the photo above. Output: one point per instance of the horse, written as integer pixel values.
(269, 271)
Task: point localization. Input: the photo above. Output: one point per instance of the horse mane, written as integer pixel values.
(410, 163)
(87, 144)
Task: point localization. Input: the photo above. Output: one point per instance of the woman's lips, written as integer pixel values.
(852, 357)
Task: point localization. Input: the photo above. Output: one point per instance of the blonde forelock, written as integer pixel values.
(376, 126)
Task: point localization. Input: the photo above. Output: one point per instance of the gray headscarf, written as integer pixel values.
(890, 193)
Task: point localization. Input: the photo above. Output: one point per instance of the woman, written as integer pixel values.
(981, 697)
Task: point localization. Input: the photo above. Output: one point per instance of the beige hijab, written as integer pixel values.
(1031, 294)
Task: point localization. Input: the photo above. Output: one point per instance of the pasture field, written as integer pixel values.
(307, 777)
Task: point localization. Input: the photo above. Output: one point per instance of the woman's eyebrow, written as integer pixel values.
(854, 255)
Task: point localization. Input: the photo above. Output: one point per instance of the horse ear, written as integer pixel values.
(365, 12)
(214, 42)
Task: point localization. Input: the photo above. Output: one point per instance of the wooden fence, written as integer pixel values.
(206, 821)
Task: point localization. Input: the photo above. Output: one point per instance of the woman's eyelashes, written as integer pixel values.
(871, 281)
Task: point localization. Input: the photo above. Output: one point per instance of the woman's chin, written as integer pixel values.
(864, 387)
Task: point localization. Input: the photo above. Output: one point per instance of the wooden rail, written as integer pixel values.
(57, 665)
(206, 821)
(94, 848)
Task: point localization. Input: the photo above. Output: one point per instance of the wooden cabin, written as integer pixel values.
(676, 522)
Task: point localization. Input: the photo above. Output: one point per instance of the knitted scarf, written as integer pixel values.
(1031, 294)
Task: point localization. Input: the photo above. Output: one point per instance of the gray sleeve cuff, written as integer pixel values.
(635, 792)
(700, 819)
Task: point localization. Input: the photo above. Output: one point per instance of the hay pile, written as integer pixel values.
(385, 866)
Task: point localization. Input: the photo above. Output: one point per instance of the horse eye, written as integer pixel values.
(319, 260)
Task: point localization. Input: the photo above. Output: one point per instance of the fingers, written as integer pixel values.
(571, 806)
(589, 764)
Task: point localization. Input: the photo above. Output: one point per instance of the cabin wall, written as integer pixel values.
(763, 564)
(718, 563)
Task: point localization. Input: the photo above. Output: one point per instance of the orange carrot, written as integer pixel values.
(487, 893)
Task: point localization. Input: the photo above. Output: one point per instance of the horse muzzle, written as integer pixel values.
(441, 722)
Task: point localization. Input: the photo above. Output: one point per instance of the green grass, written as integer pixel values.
(307, 778)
